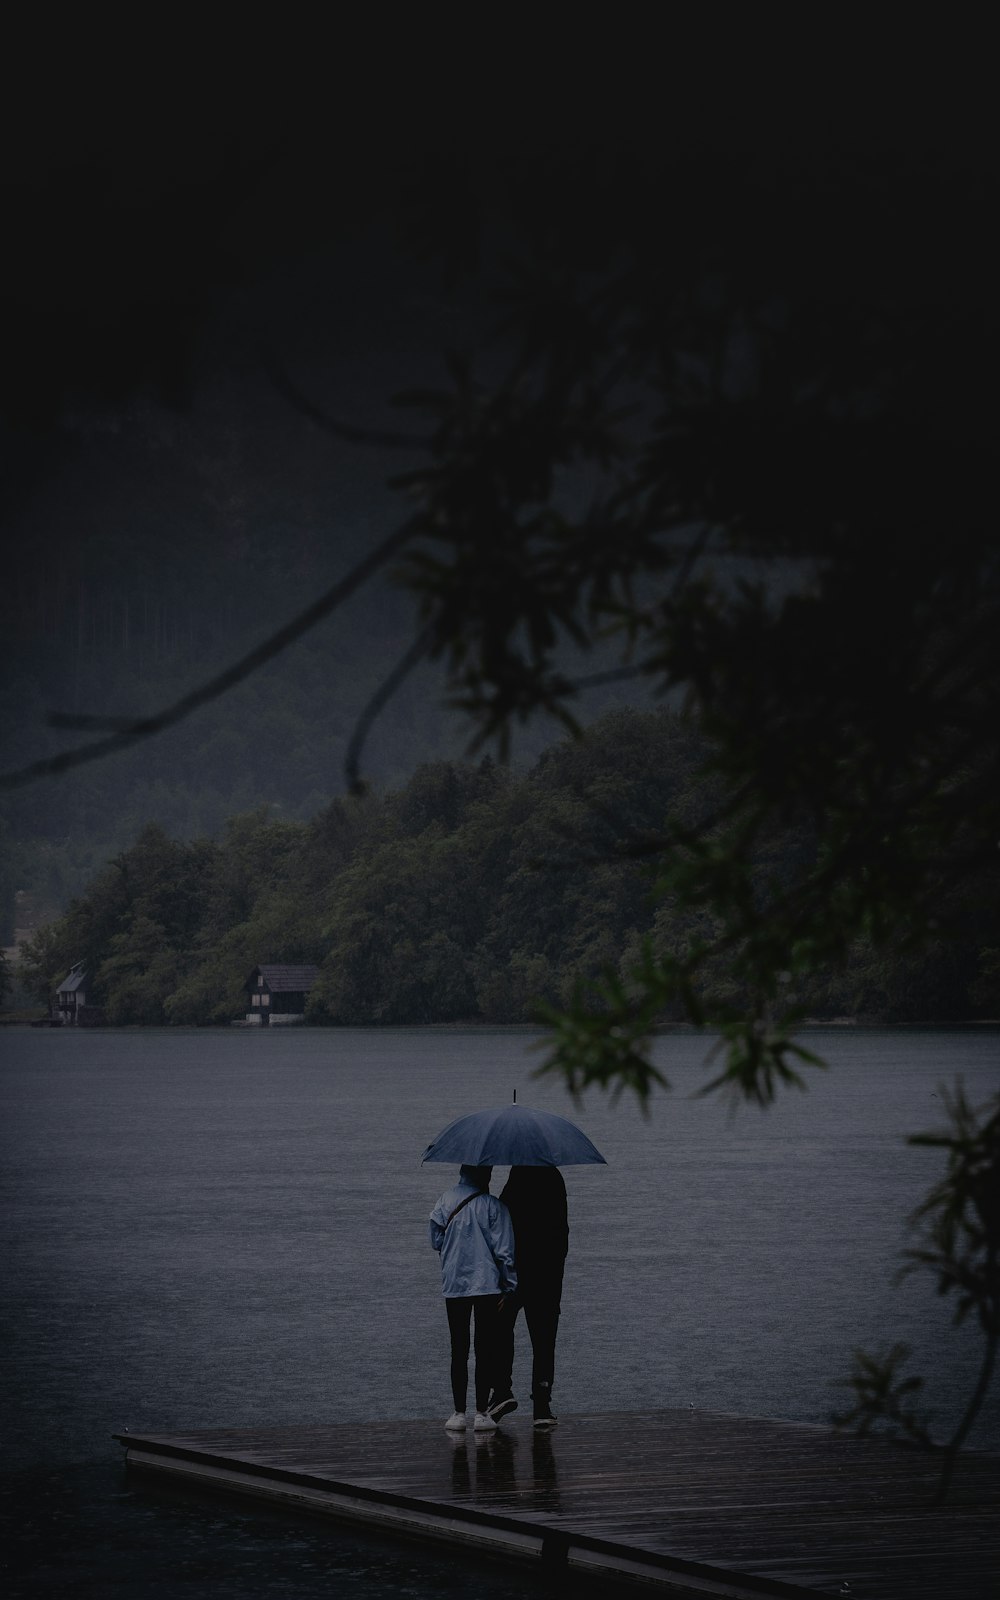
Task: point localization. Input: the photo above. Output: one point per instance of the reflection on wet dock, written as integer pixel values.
(696, 1503)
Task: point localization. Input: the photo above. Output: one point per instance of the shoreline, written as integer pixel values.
(808, 1025)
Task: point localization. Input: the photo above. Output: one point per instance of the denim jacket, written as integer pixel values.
(477, 1246)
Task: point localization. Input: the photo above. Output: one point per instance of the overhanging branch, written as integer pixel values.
(273, 646)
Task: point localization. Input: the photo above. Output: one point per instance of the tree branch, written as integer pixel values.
(145, 727)
(352, 760)
(340, 430)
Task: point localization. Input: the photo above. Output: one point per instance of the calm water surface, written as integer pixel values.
(229, 1228)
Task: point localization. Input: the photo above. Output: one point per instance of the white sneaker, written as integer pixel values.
(484, 1423)
(456, 1420)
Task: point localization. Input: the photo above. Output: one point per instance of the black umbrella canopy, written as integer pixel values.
(513, 1136)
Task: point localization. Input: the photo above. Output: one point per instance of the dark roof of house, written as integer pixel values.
(283, 980)
(76, 977)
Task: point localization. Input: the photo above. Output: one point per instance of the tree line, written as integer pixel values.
(473, 893)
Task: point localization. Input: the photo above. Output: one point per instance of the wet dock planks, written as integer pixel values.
(697, 1503)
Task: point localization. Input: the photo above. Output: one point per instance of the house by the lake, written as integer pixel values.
(276, 994)
(71, 1001)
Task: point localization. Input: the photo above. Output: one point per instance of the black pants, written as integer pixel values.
(460, 1313)
(541, 1305)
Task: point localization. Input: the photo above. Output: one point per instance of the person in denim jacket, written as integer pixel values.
(472, 1232)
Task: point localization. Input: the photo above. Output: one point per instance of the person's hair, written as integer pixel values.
(535, 1183)
(480, 1176)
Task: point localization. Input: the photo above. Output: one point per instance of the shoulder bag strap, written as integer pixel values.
(465, 1202)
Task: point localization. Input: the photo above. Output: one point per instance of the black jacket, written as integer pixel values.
(536, 1200)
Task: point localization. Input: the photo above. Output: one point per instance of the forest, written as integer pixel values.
(472, 893)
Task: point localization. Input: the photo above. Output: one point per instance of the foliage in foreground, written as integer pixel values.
(958, 1224)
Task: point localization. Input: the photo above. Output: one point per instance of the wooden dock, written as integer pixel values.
(696, 1503)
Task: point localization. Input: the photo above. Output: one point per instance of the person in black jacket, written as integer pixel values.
(536, 1200)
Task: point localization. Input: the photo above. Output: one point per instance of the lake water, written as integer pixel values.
(229, 1228)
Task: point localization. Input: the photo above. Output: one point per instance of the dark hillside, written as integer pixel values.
(470, 893)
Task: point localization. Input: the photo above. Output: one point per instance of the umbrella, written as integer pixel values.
(513, 1136)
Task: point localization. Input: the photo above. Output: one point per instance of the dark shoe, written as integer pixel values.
(543, 1411)
(501, 1408)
